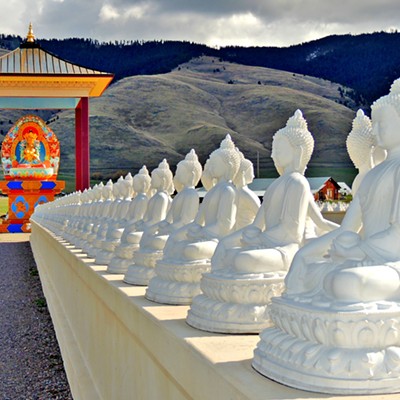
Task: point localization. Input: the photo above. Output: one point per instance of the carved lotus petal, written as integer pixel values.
(236, 295)
(366, 337)
(255, 296)
(339, 337)
(319, 331)
(391, 337)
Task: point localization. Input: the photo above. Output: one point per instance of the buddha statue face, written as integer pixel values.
(386, 127)
(283, 153)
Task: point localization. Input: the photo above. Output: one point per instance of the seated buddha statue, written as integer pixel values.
(188, 250)
(136, 212)
(249, 265)
(183, 210)
(337, 323)
(157, 208)
(362, 148)
(117, 221)
(29, 157)
(282, 223)
(360, 260)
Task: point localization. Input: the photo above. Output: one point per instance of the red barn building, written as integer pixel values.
(325, 188)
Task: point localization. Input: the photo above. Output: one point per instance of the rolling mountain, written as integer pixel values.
(143, 119)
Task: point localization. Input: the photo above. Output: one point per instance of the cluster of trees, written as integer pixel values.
(366, 63)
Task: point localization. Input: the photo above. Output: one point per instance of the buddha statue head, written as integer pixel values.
(245, 174)
(386, 118)
(128, 183)
(162, 178)
(361, 143)
(224, 162)
(292, 146)
(142, 181)
(108, 190)
(188, 172)
(206, 179)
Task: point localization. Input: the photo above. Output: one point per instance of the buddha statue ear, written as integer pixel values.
(298, 161)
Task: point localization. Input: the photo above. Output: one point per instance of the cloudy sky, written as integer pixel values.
(212, 22)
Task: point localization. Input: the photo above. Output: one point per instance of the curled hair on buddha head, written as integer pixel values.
(391, 99)
(192, 166)
(245, 165)
(230, 154)
(298, 135)
(142, 180)
(164, 173)
(360, 140)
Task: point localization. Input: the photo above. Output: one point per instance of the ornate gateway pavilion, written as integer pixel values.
(31, 78)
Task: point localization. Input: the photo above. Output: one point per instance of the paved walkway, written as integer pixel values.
(30, 362)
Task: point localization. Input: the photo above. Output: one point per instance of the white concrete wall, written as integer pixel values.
(116, 345)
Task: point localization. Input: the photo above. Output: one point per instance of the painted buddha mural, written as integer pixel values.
(30, 151)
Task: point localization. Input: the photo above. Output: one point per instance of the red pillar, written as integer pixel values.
(82, 150)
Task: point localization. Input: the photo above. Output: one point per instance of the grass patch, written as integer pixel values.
(41, 303)
(3, 205)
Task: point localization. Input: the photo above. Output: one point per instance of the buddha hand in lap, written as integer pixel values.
(217, 213)
(360, 261)
(281, 224)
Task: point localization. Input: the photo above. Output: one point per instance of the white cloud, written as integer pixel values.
(108, 12)
(216, 22)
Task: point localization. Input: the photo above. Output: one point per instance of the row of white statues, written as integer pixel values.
(325, 298)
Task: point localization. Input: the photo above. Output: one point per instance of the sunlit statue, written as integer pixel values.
(362, 148)
(108, 216)
(249, 266)
(157, 208)
(183, 211)
(247, 201)
(136, 212)
(118, 220)
(188, 252)
(338, 322)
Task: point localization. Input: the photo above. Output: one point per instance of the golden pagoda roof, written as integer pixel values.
(32, 72)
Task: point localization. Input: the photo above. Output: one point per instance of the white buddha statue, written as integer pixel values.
(249, 266)
(247, 201)
(137, 208)
(337, 324)
(188, 251)
(157, 208)
(118, 220)
(183, 211)
(104, 212)
(362, 148)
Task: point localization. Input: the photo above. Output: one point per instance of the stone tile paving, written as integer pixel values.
(31, 366)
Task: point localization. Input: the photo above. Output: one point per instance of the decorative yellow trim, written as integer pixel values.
(57, 86)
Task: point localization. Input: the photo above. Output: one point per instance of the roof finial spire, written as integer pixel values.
(30, 38)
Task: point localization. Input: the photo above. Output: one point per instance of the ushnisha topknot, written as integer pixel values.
(164, 172)
(228, 151)
(296, 131)
(360, 139)
(392, 99)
